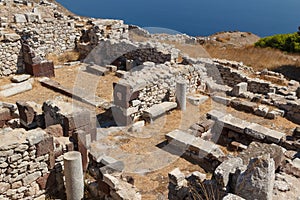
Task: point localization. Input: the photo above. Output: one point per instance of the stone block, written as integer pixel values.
(33, 17)
(122, 95)
(197, 130)
(261, 111)
(41, 69)
(112, 68)
(223, 173)
(239, 89)
(122, 74)
(233, 123)
(20, 78)
(244, 106)
(257, 181)
(197, 100)
(35, 136)
(158, 110)
(97, 70)
(260, 132)
(31, 177)
(176, 177)
(20, 18)
(55, 130)
(76, 121)
(197, 177)
(206, 124)
(5, 114)
(11, 37)
(16, 89)
(222, 100)
(183, 141)
(256, 149)
(4, 187)
(69, 116)
(121, 118)
(137, 126)
(30, 114)
(215, 114)
(45, 146)
(232, 197)
(112, 181)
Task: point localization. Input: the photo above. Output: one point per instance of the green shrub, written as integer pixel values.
(284, 42)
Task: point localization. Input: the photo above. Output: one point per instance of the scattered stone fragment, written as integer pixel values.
(20, 78)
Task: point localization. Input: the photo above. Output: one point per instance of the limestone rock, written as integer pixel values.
(18, 88)
(20, 18)
(20, 78)
(176, 177)
(31, 177)
(4, 187)
(256, 149)
(257, 181)
(239, 89)
(232, 197)
(281, 186)
(226, 169)
(11, 37)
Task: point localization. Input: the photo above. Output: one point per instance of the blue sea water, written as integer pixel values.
(197, 17)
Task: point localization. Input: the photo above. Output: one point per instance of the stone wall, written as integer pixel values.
(46, 31)
(232, 76)
(152, 84)
(11, 59)
(24, 159)
(53, 36)
(110, 182)
(118, 51)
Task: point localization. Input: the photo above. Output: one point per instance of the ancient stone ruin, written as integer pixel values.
(171, 127)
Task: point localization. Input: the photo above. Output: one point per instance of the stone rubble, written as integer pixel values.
(31, 160)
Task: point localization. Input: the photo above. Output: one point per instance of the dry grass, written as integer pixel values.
(67, 56)
(223, 39)
(257, 58)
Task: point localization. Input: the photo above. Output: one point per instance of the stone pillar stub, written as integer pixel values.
(181, 94)
(74, 175)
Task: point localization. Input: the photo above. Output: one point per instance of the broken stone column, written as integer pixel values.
(74, 175)
(181, 94)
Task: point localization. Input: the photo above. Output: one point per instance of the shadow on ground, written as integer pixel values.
(289, 71)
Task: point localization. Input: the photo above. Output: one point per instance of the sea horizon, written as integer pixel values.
(197, 18)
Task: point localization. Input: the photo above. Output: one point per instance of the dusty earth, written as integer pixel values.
(142, 147)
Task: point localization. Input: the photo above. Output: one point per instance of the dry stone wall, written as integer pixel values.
(51, 32)
(53, 36)
(237, 73)
(152, 84)
(118, 51)
(24, 158)
(11, 59)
